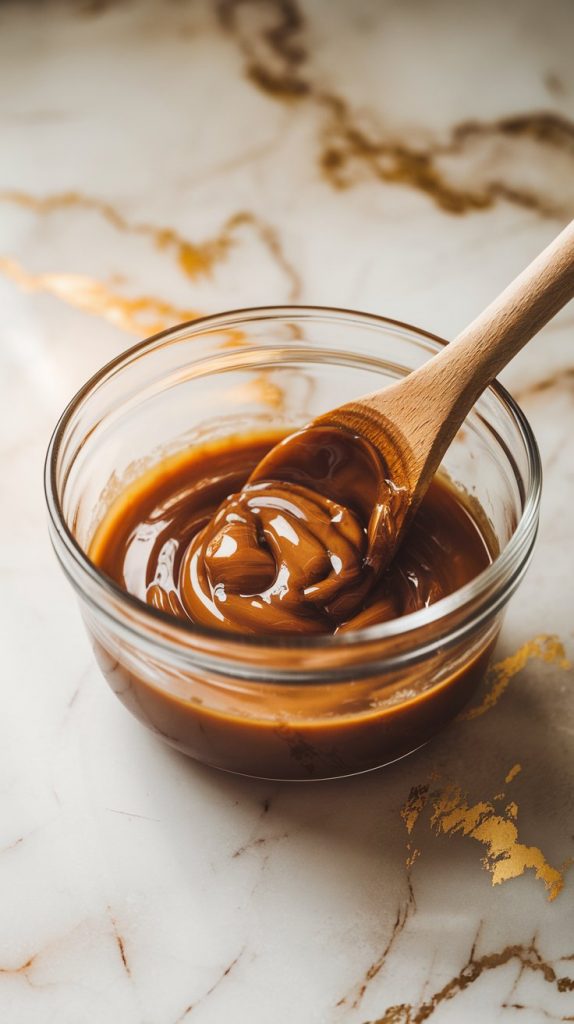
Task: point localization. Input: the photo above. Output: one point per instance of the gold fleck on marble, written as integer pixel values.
(412, 853)
(516, 768)
(414, 806)
(506, 857)
(141, 315)
(546, 648)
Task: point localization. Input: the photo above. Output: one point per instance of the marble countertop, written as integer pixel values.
(162, 160)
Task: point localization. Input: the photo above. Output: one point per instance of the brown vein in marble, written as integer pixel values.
(536, 1009)
(257, 843)
(120, 944)
(544, 126)
(269, 236)
(21, 839)
(23, 969)
(276, 62)
(563, 378)
(346, 143)
(131, 814)
(527, 956)
(192, 1006)
(12, 846)
(545, 648)
(141, 315)
(274, 56)
(505, 857)
(193, 259)
(403, 913)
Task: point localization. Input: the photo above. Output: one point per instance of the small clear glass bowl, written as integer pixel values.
(276, 707)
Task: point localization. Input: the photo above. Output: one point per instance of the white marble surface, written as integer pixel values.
(401, 157)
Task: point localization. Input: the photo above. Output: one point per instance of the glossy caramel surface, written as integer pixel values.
(277, 557)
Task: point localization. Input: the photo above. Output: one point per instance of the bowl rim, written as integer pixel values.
(499, 578)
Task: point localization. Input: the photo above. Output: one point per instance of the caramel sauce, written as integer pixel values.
(168, 517)
(278, 557)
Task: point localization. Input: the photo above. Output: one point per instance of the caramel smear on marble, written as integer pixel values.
(141, 315)
(527, 956)
(506, 857)
(546, 648)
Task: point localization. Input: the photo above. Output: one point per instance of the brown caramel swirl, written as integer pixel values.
(289, 557)
(276, 558)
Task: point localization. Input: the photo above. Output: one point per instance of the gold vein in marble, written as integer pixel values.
(505, 856)
(141, 315)
(546, 648)
(194, 259)
(528, 957)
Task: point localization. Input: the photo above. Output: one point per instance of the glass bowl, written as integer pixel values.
(277, 707)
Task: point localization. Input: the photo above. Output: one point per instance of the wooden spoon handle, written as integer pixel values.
(430, 404)
(465, 367)
(427, 407)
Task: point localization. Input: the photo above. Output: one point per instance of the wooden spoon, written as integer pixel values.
(380, 452)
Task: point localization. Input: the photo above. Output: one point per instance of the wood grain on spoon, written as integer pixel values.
(411, 424)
